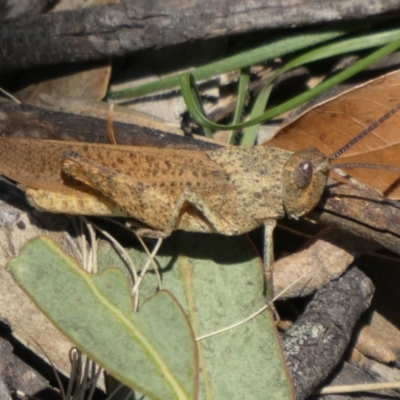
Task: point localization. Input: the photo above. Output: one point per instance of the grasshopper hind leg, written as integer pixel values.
(192, 198)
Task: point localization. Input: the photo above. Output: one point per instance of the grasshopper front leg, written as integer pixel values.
(269, 227)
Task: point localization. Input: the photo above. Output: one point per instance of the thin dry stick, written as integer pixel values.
(364, 387)
(75, 361)
(143, 244)
(84, 375)
(81, 238)
(58, 379)
(88, 252)
(23, 396)
(92, 259)
(115, 391)
(90, 378)
(354, 182)
(250, 317)
(125, 257)
(120, 248)
(146, 249)
(110, 125)
(10, 95)
(147, 265)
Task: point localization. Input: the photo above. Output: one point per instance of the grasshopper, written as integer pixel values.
(230, 190)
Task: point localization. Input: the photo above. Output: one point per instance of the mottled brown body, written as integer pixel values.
(230, 190)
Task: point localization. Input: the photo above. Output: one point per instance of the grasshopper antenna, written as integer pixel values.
(365, 132)
(338, 168)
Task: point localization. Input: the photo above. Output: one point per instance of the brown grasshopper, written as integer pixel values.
(230, 190)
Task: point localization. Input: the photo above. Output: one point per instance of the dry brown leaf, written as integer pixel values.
(331, 125)
(88, 84)
(380, 340)
(374, 368)
(322, 259)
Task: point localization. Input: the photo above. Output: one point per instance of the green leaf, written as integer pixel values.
(218, 280)
(152, 351)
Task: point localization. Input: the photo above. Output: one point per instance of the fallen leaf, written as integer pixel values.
(332, 124)
(379, 339)
(217, 280)
(153, 350)
(321, 260)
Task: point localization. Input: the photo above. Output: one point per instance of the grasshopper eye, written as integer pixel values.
(303, 180)
(302, 175)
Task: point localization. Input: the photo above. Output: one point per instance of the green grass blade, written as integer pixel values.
(250, 133)
(244, 80)
(344, 46)
(276, 49)
(335, 80)
(187, 81)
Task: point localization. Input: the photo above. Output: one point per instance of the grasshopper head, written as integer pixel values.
(303, 181)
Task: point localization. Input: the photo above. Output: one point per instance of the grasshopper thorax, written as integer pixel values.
(303, 181)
